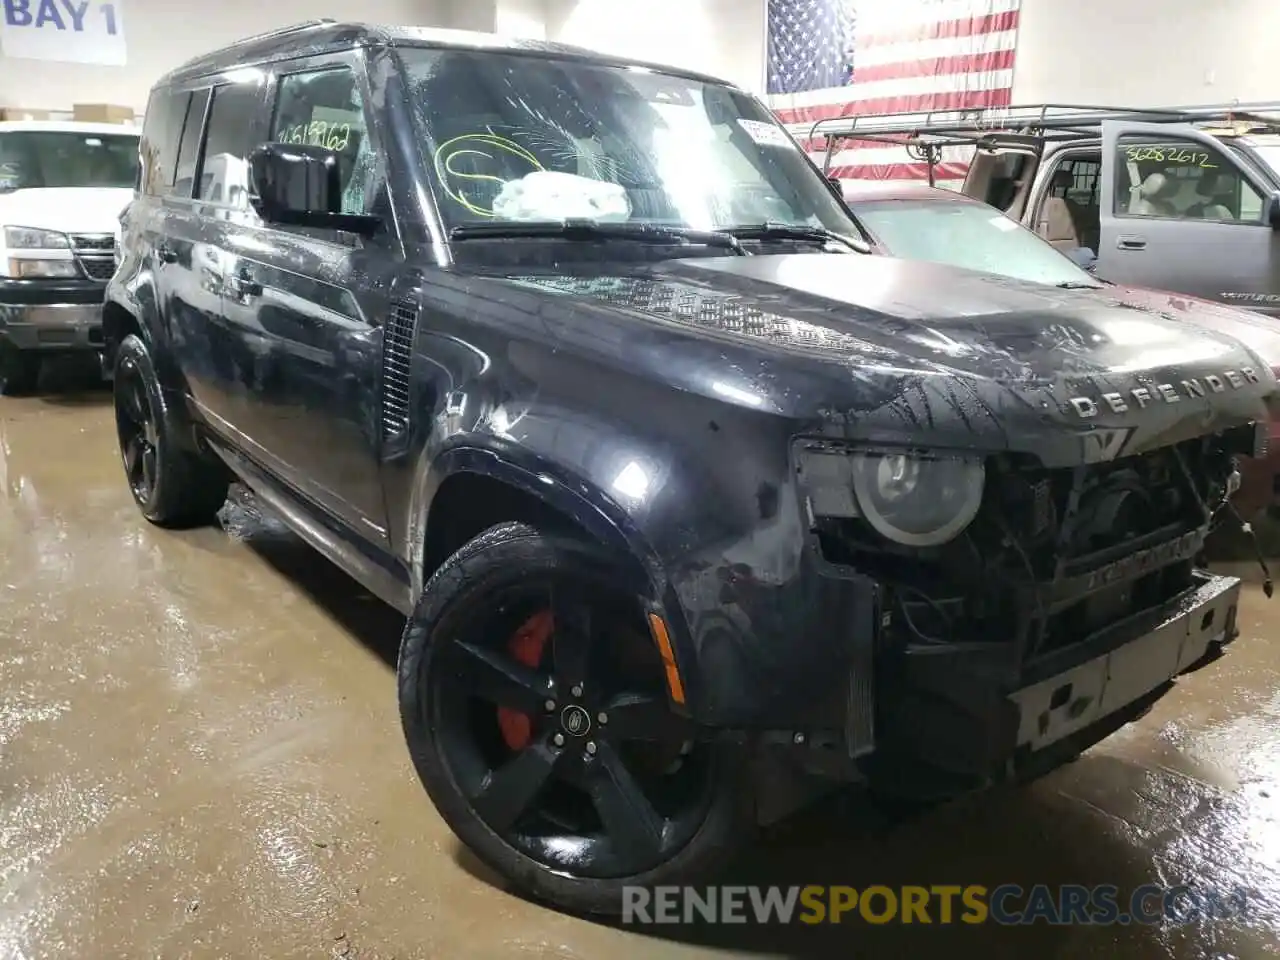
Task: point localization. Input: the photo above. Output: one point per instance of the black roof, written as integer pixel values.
(325, 36)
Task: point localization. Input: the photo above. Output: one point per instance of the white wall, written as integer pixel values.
(724, 38)
(1147, 52)
(161, 34)
(1124, 52)
(1138, 52)
(522, 18)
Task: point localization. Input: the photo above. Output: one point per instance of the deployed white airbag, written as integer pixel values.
(548, 195)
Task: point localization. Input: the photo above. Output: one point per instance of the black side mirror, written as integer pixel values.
(300, 185)
(836, 187)
(1084, 258)
(1271, 211)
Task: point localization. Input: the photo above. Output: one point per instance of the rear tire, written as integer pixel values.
(172, 485)
(19, 371)
(580, 808)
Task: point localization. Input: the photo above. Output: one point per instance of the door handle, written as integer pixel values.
(166, 253)
(241, 286)
(1130, 242)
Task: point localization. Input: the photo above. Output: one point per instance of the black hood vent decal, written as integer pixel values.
(702, 309)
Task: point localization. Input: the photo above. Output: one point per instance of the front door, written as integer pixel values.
(1180, 212)
(309, 306)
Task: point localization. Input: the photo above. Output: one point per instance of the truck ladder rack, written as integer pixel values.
(1052, 121)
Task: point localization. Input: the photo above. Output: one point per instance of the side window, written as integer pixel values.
(1182, 180)
(1006, 179)
(1068, 212)
(324, 108)
(158, 147)
(1077, 181)
(224, 163)
(191, 122)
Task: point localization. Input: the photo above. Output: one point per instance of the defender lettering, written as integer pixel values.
(1194, 388)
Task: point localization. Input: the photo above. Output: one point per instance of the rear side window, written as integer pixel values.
(161, 131)
(189, 152)
(224, 169)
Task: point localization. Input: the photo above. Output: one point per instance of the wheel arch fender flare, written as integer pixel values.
(574, 498)
(590, 508)
(135, 299)
(133, 306)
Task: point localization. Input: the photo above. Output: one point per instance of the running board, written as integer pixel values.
(330, 543)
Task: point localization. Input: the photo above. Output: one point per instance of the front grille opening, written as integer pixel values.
(98, 268)
(95, 252)
(1053, 556)
(1100, 610)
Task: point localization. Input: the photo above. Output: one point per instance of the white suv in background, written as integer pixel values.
(63, 186)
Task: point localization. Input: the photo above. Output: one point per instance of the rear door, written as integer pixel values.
(1180, 212)
(219, 368)
(171, 227)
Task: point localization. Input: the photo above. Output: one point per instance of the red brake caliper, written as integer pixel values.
(525, 647)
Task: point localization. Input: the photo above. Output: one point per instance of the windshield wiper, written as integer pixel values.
(588, 230)
(772, 230)
(1077, 285)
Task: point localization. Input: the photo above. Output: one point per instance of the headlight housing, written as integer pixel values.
(32, 238)
(42, 269)
(917, 500)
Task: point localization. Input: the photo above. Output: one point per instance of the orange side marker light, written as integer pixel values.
(660, 636)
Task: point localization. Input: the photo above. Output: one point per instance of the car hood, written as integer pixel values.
(884, 350)
(65, 209)
(1258, 331)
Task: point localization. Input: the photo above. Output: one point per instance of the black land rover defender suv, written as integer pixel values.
(580, 363)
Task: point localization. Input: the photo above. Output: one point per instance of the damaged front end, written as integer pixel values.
(1030, 607)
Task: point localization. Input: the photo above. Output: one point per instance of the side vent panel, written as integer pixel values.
(397, 347)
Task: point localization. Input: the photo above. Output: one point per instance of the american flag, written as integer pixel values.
(833, 58)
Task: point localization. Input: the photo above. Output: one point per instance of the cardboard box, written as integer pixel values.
(101, 113)
(23, 113)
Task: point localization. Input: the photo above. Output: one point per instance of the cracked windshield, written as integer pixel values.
(519, 138)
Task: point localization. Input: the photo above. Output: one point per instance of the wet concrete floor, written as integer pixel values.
(200, 757)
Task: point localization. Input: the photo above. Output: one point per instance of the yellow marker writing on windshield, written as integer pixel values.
(484, 146)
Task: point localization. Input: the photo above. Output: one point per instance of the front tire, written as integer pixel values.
(172, 485)
(536, 714)
(19, 371)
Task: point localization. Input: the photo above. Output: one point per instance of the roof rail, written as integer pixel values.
(1069, 119)
(285, 31)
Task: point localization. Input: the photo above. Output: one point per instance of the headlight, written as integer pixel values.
(42, 269)
(914, 500)
(29, 238)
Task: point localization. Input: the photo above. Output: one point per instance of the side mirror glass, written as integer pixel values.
(1271, 211)
(301, 185)
(1084, 258)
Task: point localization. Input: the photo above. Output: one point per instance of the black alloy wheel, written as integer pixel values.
(136, 428)
(535, 707)
(172, 484)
